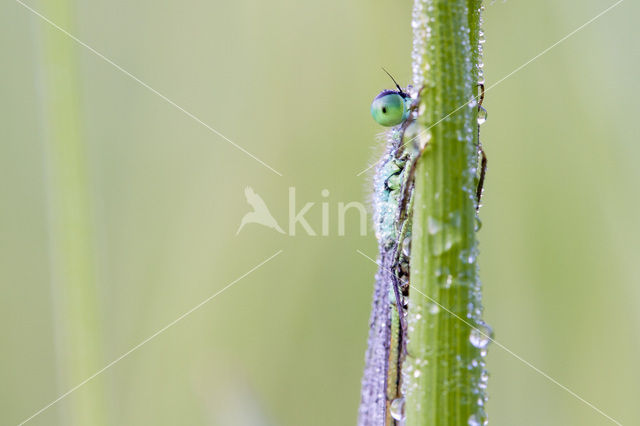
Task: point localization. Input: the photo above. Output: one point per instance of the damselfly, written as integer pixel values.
(382, 395)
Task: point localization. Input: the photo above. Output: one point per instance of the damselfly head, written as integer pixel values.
(391, 107)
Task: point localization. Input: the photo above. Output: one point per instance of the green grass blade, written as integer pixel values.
(444, 370)
(76, 322)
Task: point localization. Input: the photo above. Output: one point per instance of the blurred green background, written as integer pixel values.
(291, 82)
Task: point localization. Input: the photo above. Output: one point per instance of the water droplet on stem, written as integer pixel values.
(480, 335)
(482, 116)
(397, 409)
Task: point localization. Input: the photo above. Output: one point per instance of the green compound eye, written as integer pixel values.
(389, 108)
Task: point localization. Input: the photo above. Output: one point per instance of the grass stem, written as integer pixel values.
(77, 329)
(444, 372)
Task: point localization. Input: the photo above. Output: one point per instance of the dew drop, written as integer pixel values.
(417, 373)
(406, 247)
(397, 409)
(448, 282)
(482, 116)
(484, 377)
(433, 308)
(440, 271)
(480, 335)
(434, 225)
(452, 238)
(455, 218)
(473, 421)
(468, 256)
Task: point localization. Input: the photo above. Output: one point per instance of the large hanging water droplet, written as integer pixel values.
(482, 115)
(478, 224)
(480, 335)
(397, 409)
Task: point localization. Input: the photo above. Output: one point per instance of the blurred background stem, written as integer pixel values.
(445, 370)
(77, 329)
